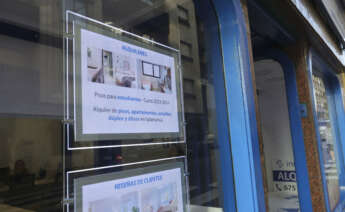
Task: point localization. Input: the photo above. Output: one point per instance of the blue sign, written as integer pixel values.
(284, 176)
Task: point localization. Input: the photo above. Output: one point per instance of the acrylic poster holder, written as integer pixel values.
(76, 108)
(75, 140)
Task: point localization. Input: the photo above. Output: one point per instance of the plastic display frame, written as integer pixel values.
(109, 178)
(72, 111)
(75, 179)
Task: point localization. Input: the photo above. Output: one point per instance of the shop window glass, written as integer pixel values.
(328, 145)
(31, 86)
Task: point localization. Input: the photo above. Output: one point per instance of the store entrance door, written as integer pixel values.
(276, 136)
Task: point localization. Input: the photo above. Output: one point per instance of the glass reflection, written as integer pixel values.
(31, 84)
(327, 141)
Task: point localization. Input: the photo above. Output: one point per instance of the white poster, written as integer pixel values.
(154, 192)
(126, 88)
(284, 176)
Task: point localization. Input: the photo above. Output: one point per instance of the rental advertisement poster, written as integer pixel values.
(125, 89)
(154, 192)
(284, 176)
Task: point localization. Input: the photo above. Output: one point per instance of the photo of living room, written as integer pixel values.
(154, 77)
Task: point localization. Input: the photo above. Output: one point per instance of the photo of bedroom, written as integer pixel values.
(125, 71)
(154, 77)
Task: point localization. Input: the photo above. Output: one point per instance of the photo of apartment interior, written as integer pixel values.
(160, 199)
(94, 65)
(125, 71)
(122, 203)
(110, 68)
(154, 77)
